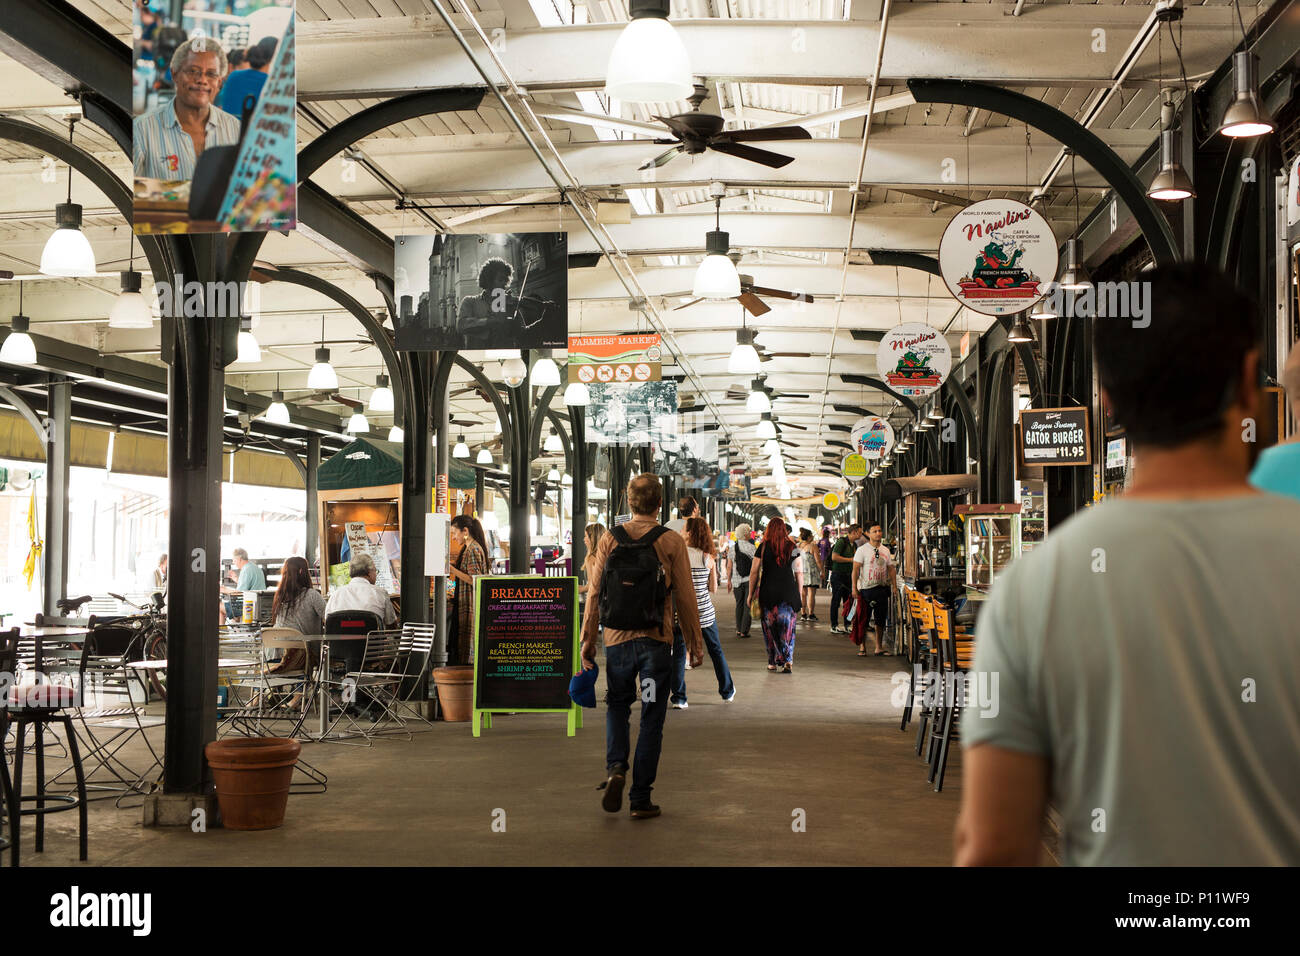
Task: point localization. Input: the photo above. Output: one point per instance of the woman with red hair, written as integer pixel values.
(777, 579)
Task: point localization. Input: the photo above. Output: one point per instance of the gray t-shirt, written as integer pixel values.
(1164, 688)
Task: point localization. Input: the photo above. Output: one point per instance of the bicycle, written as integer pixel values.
(151, 627)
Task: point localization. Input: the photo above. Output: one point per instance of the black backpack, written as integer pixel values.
(747, 559)
(634, 588)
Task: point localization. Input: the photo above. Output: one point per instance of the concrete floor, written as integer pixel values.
(823, 740)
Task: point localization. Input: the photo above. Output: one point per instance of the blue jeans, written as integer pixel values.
(628, 668)
(725, 687)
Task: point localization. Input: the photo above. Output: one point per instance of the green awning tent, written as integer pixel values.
(368, 463)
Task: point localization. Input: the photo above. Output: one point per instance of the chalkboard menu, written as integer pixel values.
(526, 642)
(1054, 436)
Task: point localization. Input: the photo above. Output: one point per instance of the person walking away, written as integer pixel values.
(704, 577)
(471, 562)
(640, 574)
(812, 574)
(1278, 468)
(841, 575)
(778, 580)
(686, 508)
(742, 566)
(874, 571)
(1146, 651)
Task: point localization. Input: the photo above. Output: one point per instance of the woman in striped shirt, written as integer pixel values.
(704, 574)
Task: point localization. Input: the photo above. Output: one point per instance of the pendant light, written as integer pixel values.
(577, 394)
(67, 251)
(484, 456)
(277, 413)
(248, 351)
(1021, 330)
(553, 445)
(130, 310)
(766, 427)
(1043, 307)
(567, 480)
(935, 414)
(1171, 182)
(396, 434)
(758, 400)
(513, 372)
(322, 377)
(1245, 115)
(771, 447)
(496, 424)
(1074, 277)
(461, 450)
(381, 399)
(18, 347)
(716, 278)
(553, 474)
(358, 424)
(648, 63)
(744, 358)
(545, 372)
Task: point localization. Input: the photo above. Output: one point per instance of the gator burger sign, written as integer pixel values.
(997, 256)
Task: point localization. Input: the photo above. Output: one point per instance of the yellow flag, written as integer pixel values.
(34, 555)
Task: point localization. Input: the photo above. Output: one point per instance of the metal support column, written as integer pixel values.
(417, 481)
(58, 433)
(578, 472)
(313, 499)
(520, 465)
(480, 493)
(439, 418)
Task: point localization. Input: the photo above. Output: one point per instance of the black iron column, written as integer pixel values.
(417, 479)
(196, 348)
(578, 472)
(479, 493)
(520, 465)
(313, 499)
(440, 415)
(58, 434)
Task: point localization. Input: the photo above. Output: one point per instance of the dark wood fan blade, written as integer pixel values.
(681, 129)
(660, 159)
(790, 395)
(763, 157)
(687, 305)
(785, 424)
(770, 135)
(782, 294)
(344, 400)
(753, 304)
(787, 355)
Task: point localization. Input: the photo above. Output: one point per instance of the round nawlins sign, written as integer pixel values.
(872, 436)
(998, 256)
(830, 501)
(853, 466)
(914, 359)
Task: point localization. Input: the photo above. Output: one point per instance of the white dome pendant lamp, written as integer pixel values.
(67, 252)
(649, 63)
(716, 278)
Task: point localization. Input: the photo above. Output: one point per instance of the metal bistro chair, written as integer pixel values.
(414, 659)
(108, 724)
(346, 658)
(380, 676)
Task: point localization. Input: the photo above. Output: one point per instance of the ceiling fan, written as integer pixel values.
(695, 132)
(738, 393)
(749, 294)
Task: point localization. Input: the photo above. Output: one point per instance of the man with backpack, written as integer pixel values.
(742, 563)
(638, 574)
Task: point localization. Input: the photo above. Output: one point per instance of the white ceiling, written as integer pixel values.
(763, 61)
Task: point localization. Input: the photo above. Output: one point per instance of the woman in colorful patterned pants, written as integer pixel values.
(779, 582)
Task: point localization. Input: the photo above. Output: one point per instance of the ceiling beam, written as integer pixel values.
(1055, 46)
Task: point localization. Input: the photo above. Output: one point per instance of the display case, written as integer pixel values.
(927, 552)
(993, 541)
(1033, 514)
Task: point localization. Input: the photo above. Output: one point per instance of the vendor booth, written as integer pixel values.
(360, 495)
(932, 554)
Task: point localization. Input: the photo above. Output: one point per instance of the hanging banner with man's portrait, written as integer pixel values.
(214, 137)
(633, 414)
(496, 291)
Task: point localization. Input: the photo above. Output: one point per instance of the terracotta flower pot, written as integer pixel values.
(455, 691)
(252, 776)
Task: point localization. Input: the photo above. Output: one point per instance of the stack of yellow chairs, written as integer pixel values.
(956, 653)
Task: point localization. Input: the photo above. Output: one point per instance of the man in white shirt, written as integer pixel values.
(686, 508)
(874, 572)
(361, 593)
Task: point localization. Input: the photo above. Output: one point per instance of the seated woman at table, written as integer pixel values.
(297, 605)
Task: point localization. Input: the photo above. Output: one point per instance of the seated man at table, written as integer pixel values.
(362, 594)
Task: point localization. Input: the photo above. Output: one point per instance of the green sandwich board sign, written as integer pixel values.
(525, 646)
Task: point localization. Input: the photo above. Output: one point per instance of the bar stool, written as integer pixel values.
(9, 835)
(957, 657)
(40, 705)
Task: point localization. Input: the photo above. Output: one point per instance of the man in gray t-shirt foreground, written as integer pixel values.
(1139, 669)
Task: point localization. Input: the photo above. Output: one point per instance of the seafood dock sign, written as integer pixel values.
(998, 256)
(914, 359)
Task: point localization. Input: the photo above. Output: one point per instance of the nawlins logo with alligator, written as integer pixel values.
(913, 359)
(998, 256)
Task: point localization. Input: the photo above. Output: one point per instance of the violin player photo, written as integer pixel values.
(495, 291)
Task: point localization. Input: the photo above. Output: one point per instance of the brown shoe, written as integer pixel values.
(645, 811)
(612, 801)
